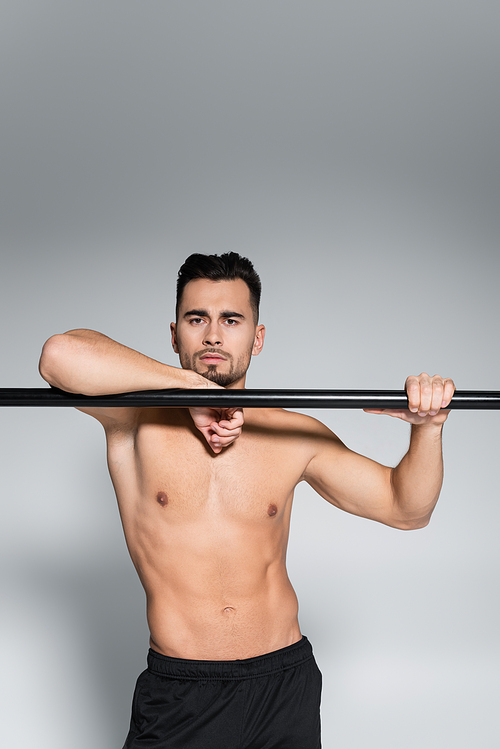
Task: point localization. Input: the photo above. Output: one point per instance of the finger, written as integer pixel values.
(216, 441)
(425, 394)
(413, 392)
(437, 395)
(226, 427)
(223, 431)
(216, 447)
(219, 443)
(231, 423)
(230, 412)
(235, 419)
(226, 441)
(234, 416)
(449, 390)
(213, 440)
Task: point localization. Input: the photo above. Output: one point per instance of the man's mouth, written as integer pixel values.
(212, 358)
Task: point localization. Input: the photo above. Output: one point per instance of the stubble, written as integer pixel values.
(236, 370)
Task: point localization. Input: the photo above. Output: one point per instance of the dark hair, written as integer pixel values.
(227, 267)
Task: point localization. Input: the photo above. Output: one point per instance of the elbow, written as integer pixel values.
(413, 525)
(408, 519)
(47, 365)
(411, 511)
(56, 353)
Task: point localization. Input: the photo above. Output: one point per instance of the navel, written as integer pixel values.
(162, 499)
(272, 510)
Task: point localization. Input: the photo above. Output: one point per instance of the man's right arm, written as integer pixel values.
(90, 363)
(87, 362)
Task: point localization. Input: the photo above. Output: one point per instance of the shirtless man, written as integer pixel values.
(205, 497)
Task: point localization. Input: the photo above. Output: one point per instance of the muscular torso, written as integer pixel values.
(208, 533)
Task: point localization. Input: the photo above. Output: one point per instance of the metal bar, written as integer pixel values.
(341, 399)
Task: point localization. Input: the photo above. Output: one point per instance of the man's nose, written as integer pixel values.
(212, 335)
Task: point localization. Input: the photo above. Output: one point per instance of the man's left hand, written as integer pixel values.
(220, 426)
(427, 400)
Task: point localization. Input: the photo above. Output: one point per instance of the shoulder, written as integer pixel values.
(286, 418)
(292, 424)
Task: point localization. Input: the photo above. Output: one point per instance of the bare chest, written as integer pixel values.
(179, 477)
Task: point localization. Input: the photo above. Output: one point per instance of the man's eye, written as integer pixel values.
(231, 322)
(196, 320)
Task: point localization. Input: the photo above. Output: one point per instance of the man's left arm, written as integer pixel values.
(405, 496)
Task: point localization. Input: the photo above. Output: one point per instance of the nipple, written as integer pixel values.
(162, 499)
(272, 510)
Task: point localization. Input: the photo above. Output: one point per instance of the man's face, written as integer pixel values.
(215, 334)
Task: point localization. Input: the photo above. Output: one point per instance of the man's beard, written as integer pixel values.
(221, 378)
(235, 373)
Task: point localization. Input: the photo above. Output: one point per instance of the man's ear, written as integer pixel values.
(173, 333)
(260, 334)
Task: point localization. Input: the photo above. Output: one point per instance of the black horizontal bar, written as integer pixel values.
(465, 399)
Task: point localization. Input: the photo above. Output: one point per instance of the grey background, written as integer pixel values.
(351, 150)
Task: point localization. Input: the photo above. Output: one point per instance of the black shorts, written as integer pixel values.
(267, 702)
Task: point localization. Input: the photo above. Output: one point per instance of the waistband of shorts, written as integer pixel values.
(248, 668)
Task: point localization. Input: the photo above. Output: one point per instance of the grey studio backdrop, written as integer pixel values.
(351, 150)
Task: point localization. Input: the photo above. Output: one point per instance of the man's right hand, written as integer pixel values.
(220, 426)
